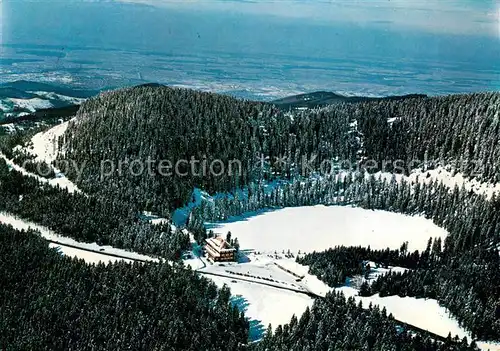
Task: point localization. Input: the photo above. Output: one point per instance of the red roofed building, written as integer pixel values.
(219, 250)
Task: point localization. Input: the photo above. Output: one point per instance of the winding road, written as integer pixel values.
(239, 278)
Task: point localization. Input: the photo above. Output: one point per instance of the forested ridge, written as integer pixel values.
(335, 324)
(106, 221)
(173, 124)
(52, 302)
(162, 123)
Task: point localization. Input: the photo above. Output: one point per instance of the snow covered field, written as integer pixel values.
(423, 313)
(265, 292)
(44, 148)
(90, 257)
(265, 305)
(32, 104)
(317, 228)
(87, 256)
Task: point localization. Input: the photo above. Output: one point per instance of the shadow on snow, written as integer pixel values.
(257, 329)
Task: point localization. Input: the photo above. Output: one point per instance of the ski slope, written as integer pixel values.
(60, 180)
(44, 146)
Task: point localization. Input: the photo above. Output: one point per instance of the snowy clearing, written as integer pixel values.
(9, 128)
(423, 313)
(375, 272)
(317, 228)
(154, 219)
(491, 346)
(441, 174)
(265, 305)
(59, 97)
(265, 291)
(31, 104)
(45, 144)
(44, 148)
(89, 257)
(60, 180)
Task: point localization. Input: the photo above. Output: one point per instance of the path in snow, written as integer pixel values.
(84, 253)
(60, 180)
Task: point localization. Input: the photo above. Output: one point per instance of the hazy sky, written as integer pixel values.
(24, 20)
(480, 17)
(447, 40)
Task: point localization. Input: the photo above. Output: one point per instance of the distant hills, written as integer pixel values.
(324, 98)
(26, 100)
(24, 86)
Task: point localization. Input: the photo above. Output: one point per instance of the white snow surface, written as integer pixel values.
(45, 143)
(44, 148)
(491, 346)
(31, 104)
(317, 228)
(443, 175)
(154, 219)
(426, 314)
(422, 313)
(60, 180)
(311, 282)
(265, 305)
(10, 127)
(54, 96)
(90, 257)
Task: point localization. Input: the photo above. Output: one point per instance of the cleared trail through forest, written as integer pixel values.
(308, 293)
(134, 258)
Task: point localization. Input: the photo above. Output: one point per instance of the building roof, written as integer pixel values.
(219, 244)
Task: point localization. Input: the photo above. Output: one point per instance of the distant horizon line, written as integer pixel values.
(340, 93)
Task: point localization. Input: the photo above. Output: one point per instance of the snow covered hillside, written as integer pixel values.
(449, 179)
(264, 305)
(31, 101)
(265, 291)
(60, 180)
(44, 147)
(44, 144)
(426, 314)
(83, 253)
(317, 228)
